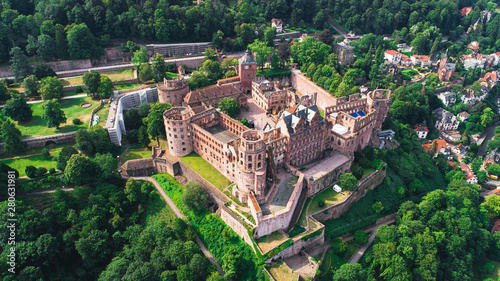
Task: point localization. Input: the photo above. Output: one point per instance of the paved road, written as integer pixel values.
(178, 213)
(357, 256)
(488, 135)
(63, 98)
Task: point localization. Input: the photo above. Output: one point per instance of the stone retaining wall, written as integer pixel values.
(45, 141)
(336, 210)
(306, 87)
(236, 224)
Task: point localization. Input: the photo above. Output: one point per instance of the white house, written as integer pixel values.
(446, 121)
(448, 98)
(421, 131)
(421, 60)
(278, 24)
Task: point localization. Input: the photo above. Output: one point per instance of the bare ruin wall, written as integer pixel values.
(235, 223)
(299, 245)
(306, 87)
(336, 210)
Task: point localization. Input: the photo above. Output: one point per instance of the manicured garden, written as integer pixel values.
(37, 126)
(113, 75)
(136, 152)
(207, 171)
(324, 199)
(37, 160)
(126, 86)
(280, 271)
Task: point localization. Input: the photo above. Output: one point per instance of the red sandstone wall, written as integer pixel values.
(306, 87)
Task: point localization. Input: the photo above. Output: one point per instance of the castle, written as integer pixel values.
(296, 142)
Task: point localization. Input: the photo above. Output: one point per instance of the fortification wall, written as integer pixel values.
(235, 223)
(306, 87)
(299, 245)
(283, 218)
(45, 141)
(336, 210)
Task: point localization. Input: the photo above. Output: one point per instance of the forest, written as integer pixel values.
(48, 28)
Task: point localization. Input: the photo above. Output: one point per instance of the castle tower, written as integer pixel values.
(247, 70)
(173, 91)
(251, 165)
(381, 101)
(177, 128)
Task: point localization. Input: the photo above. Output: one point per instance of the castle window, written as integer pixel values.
(258, 165)
(249, 157)
(182, 143)
(175, 130)
(183, 149)
(250, 166)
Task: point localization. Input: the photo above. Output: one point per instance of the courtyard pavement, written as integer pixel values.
(283, 193)
(257, 115)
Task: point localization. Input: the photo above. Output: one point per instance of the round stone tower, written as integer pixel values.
(178, 132)
(251, 165)
(173, 91)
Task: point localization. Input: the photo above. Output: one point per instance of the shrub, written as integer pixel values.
(46, 153)
(41, 171)
(52, 171)
(30, 171)
(77, 121)
(321, 203)
(79, 89)
(360, 237)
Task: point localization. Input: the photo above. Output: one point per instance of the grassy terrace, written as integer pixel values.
(269, 242)
(136, 152)
(329, 196)
(280, 271)
(38, 127)
(157, 209)
(270, 73)
(207, 171)
(334, 261)
(37, 160)
(29, 152)
(126, 86)
(114, 75)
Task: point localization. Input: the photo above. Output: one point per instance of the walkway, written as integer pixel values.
(52, 190)
(63, 98)
(361, 251)
(122, 155)
(178, 213)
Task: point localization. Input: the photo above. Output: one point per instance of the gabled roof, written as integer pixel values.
(440, 144)
(464, 114)
(392, 52)
(465, 11)
(421, 128)
(301, 114)
(474, 45)
(214, 92)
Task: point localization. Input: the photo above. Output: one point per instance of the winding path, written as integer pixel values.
(178, 213)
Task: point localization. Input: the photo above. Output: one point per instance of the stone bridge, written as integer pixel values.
(46, 140)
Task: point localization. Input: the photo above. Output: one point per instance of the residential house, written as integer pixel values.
(496, 226)
(489, 80)
(446, 68)
(469, 175)
(441, 147)
(492, 158)
(459, 150)
(465, 11)
(421, 130)
(469, 97)
(278, 24)
(395, 57)
(451, 136)
(463, 116)
(474, 60)
(421, 60)
(446, 121)
(473, 46)
(344, 52)
(448, 98)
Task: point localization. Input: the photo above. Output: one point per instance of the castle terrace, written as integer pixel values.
(322, 167)
(221, 133)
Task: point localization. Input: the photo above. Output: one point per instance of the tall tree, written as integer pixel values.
(230, 107)
(31, 86)
(63, 157)
(17, 108)
(51, 88)
(92, 80)
(261, 50)
(194, 196)
(140, 56)
(19, 64)
(46, 47)
(82, 44)
(159, 68)
(105, 89)
(156, 127)
(80, 169)
(53, 113)
(12, 137)
(218, 39)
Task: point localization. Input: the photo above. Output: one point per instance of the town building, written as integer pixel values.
(489, 80)
(173, 91)
(459, 150)
(448, 98)
(474, 60)
(463, 116)
(473, 46)
(446, 68)
(470, 97)
(465, 11)
(271, 96)
(446, 121)
(440, 145)
(344, 52)
(421, 130)
(397, 58)
(278, 24)
(469, 175)
(421, 60)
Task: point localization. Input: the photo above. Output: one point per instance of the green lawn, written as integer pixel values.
(368, 171)
(269, 242)
(37, 161)
(280, 271)
(38, 127)
(125, 86)
(157, 209)
(114, 75)
(479, 272)
(136, 152)
(204, 169)
(302, 219)
(6, 155)
(171, 75)
(329, 196)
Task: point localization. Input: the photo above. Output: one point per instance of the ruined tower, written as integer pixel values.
(173, 91)
(177, 128)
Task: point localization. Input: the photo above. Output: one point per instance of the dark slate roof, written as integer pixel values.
(247, 59)
(301, 112)
(138, 164)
